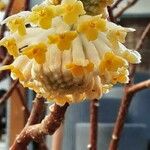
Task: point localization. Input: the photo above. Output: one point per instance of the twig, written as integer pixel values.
(93, 124)
(9, 92)
(138, 47)
(7, 60)
(27, 5)
(37, 109)
(129, 91)
(23, 102)
(36, 132)
(111, 16)
(129, 4)
(139, 86)
(116, 4)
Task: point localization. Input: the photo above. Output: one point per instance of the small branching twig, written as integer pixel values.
(93, 124)
(138, 47)
(36, 132)
(23, 102)
(111, 16)
(129, 4)
(126, 100)
(9, 92)
(37, 108)
(27, 5)
(115, 5)
(7, 60)
(129, 91)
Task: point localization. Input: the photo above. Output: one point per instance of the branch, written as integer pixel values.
(23, 102)
(139, 86)
(9, 92)
(116, 4)
(94, 124)
(138, 47)
(36, 132)
(129, 4)
(126, 100)
(111, 16)
(27, 5)
(7, 60)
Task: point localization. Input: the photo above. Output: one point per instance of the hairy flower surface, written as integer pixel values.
(66, 55)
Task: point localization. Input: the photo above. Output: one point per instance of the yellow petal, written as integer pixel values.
(37, 51)
(63, 40)
(10, 44)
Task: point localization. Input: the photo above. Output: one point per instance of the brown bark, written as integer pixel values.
(36, 132)
(93, 124)
(126, 100)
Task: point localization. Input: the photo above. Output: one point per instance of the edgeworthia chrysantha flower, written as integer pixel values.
(66, 55)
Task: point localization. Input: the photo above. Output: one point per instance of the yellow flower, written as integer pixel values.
(14, 70)
(71, 11)
(115, 36)
(37, 51)
(17, 25)
(120, 76)
(42, 16)
(111, 62)
(77, 70)
(92, 26)
(63, 40)
(10, 44)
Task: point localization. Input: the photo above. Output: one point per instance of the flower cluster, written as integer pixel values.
(66, 55)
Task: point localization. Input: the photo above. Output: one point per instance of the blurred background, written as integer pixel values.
(136, 134)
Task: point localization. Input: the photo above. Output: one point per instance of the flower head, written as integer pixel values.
(37, 51)
(65, 55)
(63, 40)
(92, 26)
(71, 10)
(10, 44)
(42, 16)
